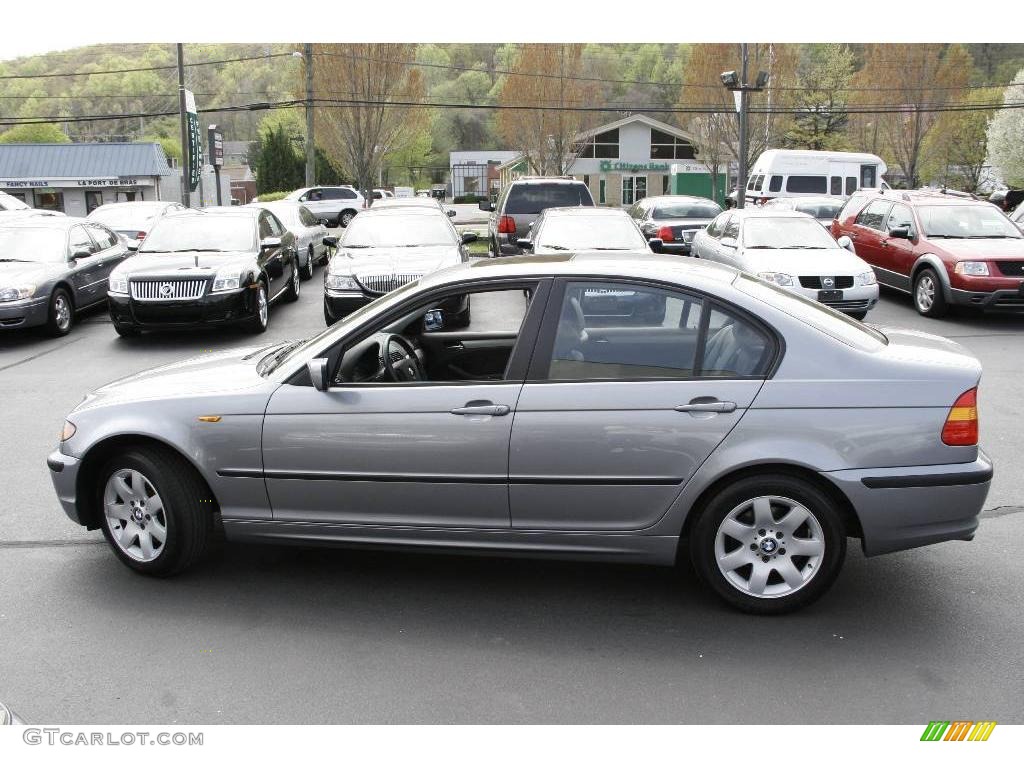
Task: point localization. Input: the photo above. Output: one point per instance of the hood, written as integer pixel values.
(21, 272)
(180, 264)
(995, 248)
(395, 261)
(231, 372)
(826, 261)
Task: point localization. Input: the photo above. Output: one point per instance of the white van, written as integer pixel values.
(796, 172)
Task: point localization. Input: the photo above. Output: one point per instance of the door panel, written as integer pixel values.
(389, 455)
(453, 356)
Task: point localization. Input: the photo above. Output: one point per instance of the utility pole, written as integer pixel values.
(184, 128)
(741, 88)
(310, 143)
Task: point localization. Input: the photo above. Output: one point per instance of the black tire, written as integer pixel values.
(327, 317)
(291, 293)
(306, 272)
(126, 331)
(722, 504)
(938, 306)
(257, 323)
(60, 315)
(345, 217)
(189, 511)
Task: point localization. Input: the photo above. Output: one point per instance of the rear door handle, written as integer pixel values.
(481, 409)
(715, 406)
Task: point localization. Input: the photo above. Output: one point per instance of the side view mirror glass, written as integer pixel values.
(317, 368)
(433, 320)
(133, 246)
(846, 242)
(900, 233)
(468, 237)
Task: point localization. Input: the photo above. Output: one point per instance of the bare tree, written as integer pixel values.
(364, 94)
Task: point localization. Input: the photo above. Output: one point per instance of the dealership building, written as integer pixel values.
(634, 158)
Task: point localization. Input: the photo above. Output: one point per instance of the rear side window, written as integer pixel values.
(534, 198)
(775, 185)
(873, 216)
(815, 184)
(853, 205)
(851, 185)
(836, 185)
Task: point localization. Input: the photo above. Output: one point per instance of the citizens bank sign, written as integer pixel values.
(608, 165)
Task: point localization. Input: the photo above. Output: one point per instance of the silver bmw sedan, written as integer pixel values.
(630, 410)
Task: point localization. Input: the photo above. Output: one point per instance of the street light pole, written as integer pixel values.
(310, 144)
(184, 128)
(741, 181)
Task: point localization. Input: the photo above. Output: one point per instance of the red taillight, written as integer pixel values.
(665, 234)
(140, 236)
(961, 427)
(506, 225)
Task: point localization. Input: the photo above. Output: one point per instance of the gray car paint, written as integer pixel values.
(842, 412)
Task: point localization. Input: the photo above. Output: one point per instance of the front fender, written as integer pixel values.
(933, 261)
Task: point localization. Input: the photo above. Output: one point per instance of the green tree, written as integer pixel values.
(35, 133)
(278, 166)
(170, 146)
(954, 153)
(823, 76)
(1006, 136)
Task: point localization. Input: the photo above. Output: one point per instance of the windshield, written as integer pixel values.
(582, 233)
(398, 232)
(979, 221)
(820, 210)
(706, 210)
(534, 198)
(124, 218)
(38, 245)
(817, 315)
(201, 233)
(785, 233)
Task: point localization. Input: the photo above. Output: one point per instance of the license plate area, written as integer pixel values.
(830, 295)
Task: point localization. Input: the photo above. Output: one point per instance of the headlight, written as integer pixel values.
(17, 292)
(117, 284)
(68, 432)
(867, 278)
(341, 283)
(228, 280)
(975, 268)
(779, 278)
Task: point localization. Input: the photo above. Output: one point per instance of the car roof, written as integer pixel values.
(229, 210)
(658, 199)
(925, 197)
(403, 210)
(134, 204)
(583, 210)
(398, 202)
(45, 222)
(768, 213)
(812, 199)
(546, 180)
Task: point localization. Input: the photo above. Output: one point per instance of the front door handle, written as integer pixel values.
(713, 406)
(481, 409)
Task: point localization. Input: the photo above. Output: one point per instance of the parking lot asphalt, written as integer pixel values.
(291, 635)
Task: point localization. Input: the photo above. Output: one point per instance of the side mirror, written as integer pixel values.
(317, 368)
(485, 205)
(270, 242)
(451, 213)
(655, 243)
(331, 241)
(525, 244)
(900, 233)
(433, 320)
(469, 237)
(132, 246)
(80, 255)
(846, 242)
(728, 242)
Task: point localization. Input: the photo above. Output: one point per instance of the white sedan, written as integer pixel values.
(793, 251)
(309, 232)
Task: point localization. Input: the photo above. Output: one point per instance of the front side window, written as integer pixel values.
(900, 216)
(812, 184)
(103, 236)
(874, 215)
(716, 227)
(616, 331)
(775, 184)
(79, 240)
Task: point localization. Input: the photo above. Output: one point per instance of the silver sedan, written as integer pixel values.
(635, 409)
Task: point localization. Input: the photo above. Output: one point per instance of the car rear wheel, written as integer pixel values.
(306, 272)
(261, 311)
(928, 297)
(769, 544)
(346, 218)
(61, 313)
(157, 514)
(291, 293)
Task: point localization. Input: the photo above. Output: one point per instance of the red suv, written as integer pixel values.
(943, 250)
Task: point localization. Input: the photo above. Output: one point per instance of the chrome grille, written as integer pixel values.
(167, 290)
(381, 284)
(816, 281)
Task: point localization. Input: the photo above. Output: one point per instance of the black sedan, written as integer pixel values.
(209, 267)
(674, 219)
(53, 266)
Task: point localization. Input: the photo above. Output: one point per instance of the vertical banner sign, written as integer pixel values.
(195, 144)
(215, 141)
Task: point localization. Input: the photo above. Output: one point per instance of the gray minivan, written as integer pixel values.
(521, 202)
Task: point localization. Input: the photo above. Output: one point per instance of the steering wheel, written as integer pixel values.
(399, 361)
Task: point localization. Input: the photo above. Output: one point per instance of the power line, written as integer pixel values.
(157, 68)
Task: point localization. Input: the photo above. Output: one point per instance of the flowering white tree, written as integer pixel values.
(1006, 135)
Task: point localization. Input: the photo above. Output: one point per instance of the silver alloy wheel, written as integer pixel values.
(261, 305)
(135, 515)
(769, 546)
(295, 276)
(346, 218)
(925, 293)
(62, 312)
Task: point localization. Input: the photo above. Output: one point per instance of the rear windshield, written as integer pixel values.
(820, 210)
(601, 233)
(817, 315)
(706, 210)
(125, 218)
(534, 198)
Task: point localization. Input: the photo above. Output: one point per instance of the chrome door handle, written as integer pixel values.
(715, 406)
(481, 410)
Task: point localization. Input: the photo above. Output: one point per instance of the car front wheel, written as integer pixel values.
(928, 297)
(769, 544)
(346, 218)
(157, 514)
(261, 310)
(61, 313)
